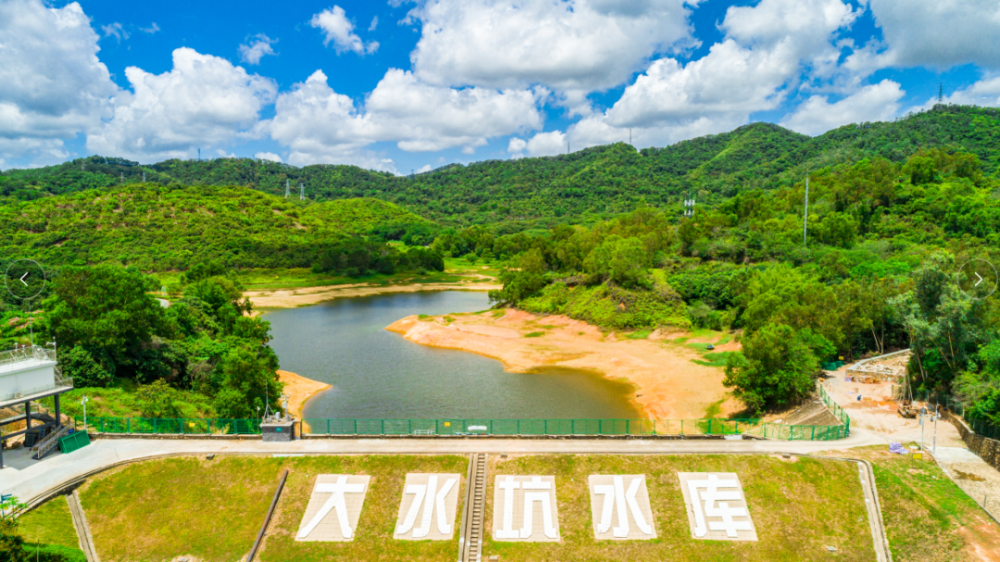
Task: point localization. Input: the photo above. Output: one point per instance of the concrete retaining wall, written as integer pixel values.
(987, 449)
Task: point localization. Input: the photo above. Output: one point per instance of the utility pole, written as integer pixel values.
(199, 155)
(805, 216)
(936, 416)
(941, 92)
(923, 416)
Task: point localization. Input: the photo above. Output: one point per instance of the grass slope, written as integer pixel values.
(212, 510)
(51, 526)
(158, 228)
(927, 516)
(798, 509)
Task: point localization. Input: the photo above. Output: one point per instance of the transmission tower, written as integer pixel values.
(941, 92)
(287, 188)
(302, 192)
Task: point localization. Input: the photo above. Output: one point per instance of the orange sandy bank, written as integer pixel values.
(299, 390)
(292, 298)
(668, 384)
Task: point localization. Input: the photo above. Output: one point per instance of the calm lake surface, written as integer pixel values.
(379, 374)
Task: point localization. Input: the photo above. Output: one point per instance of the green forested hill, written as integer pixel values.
(158, 228)
(582, 187)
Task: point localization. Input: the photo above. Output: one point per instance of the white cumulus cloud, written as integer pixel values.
(565, 44)
(816, 115)
(940, 33)
(255, 48)
(270, 156)
(52, 84)
(320, 125)
(203, 101)
(340, 31)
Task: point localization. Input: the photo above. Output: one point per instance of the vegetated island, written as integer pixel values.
(669, 383)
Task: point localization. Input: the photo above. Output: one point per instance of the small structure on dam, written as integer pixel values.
(28, 374)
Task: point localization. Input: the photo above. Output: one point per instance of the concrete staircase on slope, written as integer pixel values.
(472, 539)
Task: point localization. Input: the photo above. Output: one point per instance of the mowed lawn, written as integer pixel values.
(212, 510)
(799, 507)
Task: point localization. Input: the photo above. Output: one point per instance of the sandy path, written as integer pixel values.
(292, 298)
(299, 390)
(668, 385)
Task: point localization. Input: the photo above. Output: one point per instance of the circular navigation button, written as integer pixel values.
(978, 279)
(24, 279)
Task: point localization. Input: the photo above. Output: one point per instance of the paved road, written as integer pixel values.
(39, 479)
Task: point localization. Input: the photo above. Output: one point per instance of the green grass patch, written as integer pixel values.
(122, 402)
(51, 526)
(639, 334)
(714, 359)
(499, 313)
(534, 334)
(714, 409)
(798, 508)
(211, 510)
(927, 516)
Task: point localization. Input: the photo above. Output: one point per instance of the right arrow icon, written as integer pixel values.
(980, 279)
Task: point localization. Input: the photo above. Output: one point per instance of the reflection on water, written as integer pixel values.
(379, 374)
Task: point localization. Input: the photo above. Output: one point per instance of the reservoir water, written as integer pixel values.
(379, 374)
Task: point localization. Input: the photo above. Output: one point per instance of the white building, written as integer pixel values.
(29, 373)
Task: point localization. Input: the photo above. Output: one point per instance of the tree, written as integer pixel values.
(622, 260)
(979, 386)
(78, 364)
(105, 309)
(156, 400)
(775, 369)
(522, 277)
(248, 382)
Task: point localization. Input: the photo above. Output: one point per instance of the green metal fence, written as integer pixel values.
(173, 426)
(447, 426)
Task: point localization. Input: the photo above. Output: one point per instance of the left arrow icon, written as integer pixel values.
(22, 279)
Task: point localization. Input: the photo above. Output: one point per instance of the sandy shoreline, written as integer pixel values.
(668, 384)
(299, 390)
(306, 296)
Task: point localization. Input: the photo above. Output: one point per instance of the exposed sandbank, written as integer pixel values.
(299, 390)
(668, 384)
(293, 298)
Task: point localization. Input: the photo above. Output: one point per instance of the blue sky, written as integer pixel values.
(410, 85)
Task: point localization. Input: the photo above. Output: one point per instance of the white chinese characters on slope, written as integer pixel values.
(334, 508)
(524, 509)
(620, 507)
(716, 506)
(433, 500)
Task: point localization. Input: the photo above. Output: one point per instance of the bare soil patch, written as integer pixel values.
(668, 384)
